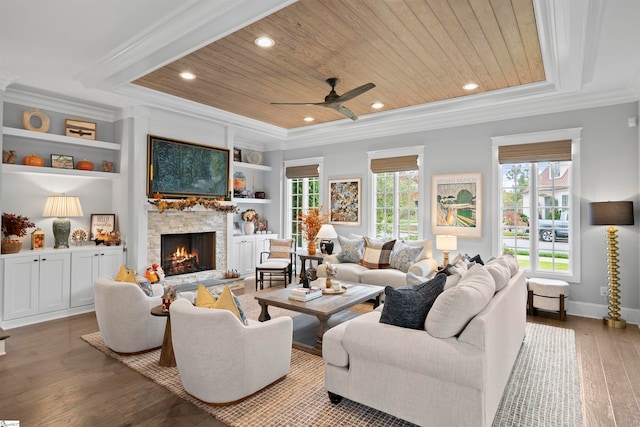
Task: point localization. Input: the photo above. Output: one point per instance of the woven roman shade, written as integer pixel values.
(550, 151)
(395, 164)
(306, 171)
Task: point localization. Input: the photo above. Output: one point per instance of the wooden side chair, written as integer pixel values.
(279, 260)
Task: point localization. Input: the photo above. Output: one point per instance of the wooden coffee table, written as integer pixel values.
(322, 308)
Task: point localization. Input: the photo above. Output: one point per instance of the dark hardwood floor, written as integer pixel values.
(51, 377)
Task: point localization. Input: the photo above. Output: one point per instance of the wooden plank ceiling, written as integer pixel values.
(415, 51)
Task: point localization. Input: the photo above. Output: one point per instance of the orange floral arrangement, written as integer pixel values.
(190, 202)
(310, 223)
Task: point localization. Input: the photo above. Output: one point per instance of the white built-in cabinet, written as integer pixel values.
(87, 267)
(246, 251)
(53, 283)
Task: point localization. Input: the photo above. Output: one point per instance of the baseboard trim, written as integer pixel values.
(598, 311)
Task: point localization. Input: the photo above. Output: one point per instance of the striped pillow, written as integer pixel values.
(376, 254)
(280, 248)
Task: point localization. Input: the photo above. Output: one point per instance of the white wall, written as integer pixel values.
(610, 160)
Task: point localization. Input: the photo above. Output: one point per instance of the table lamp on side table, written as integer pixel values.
(612, 214)
(62, 207)
(325, 234)
(446, 244)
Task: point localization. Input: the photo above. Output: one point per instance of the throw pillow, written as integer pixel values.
(376, 254)
(280, 248)
(122, 274)
(146, 287)
(456, 306)
(403, 256)
(408, 307)
(425, 245)
(475, 259)
(225, 301)
(499, 270)
(351, 250)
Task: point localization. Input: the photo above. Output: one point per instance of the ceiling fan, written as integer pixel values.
(335, 101)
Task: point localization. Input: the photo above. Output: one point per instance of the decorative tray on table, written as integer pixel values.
(331, 291)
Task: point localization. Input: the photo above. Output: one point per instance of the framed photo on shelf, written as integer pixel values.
(102, 225)
(345, 201)
(61, 161)
(237, 155)
(456, 205)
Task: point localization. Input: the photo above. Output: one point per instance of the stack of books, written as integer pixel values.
(305, 294)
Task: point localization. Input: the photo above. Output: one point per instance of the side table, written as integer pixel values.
(304, 256)
(167, 358)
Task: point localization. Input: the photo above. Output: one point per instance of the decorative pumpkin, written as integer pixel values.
(33, 160)
(85, 165)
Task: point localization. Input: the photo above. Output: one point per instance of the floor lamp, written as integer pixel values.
(612, 214)
(62, 207)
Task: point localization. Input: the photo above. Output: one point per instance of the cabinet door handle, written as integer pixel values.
(43, 259)
(35, 260)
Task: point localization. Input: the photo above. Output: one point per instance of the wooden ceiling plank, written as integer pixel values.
(526, 17)
(489, 24)
(506, 18)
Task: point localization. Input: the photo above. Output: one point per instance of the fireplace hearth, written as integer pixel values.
(187, 253)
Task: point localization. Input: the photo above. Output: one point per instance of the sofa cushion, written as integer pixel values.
(407, 307)
(349, 272)
(413, 279)
(403, 256)
(384, 277)
(500, 272)
(376, 254)
(456, 306)
(511, 261)
(350, 250)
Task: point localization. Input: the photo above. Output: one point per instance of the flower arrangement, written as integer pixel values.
(15, 225)
(250, 216)
(190, 202)
(331, 269)
(310, 222)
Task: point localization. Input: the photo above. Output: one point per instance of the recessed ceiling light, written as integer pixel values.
(187, 75)
(308, 119)
(471, 86)
(264, 42)
(377, 105)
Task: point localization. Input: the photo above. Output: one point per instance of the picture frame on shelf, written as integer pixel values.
(61, 161)
(237, 155)
(102, 225)
(236, 229)
(456, 205)
(345, 200)
(262, 225)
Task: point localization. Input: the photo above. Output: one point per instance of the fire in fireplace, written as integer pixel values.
(188, 252)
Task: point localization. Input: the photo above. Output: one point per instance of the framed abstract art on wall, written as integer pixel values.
(345, 201)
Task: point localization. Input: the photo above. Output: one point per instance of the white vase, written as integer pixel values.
(249, 227)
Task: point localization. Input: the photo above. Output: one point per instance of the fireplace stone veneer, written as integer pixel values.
(170, 222)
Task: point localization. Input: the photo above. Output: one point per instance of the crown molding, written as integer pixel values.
(6, 80)
(194, 25)
(24, 95)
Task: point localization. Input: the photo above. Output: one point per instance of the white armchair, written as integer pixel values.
(220, 360)
(124, 316)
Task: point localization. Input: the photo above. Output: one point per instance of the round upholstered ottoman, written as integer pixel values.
(548, 295)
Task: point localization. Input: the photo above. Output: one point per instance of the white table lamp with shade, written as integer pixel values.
(446, 243)
(325, 234)
(62, 208)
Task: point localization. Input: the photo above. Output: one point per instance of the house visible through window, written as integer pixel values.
(536, 208)
(303, 188)
(396, 191)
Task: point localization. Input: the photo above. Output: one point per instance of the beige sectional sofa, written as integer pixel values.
(423, 266)
(454, 371)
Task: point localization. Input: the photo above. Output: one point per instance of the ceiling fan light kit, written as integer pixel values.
(335, 101)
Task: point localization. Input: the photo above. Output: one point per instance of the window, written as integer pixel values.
(303, 192)
(396, 193)
(538, 205)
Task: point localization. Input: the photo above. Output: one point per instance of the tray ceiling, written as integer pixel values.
(416, 52)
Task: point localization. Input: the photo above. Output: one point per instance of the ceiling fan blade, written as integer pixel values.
(355, 92)
(344, 110)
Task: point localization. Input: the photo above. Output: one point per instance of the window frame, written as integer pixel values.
(575, 135)
(371, 180)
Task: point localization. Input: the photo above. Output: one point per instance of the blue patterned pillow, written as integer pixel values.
(351, 250)
(404, 256)
(145, 285)
(408, 307)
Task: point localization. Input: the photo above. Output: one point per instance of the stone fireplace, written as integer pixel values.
(184, 253)
(203, 225)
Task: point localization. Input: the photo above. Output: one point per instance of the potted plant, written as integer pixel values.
(250, 217)
(14, 228)
(309, 224)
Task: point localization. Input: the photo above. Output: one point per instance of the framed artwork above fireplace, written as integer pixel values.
(178, 169)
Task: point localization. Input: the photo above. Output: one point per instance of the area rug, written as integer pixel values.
(543, 389)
